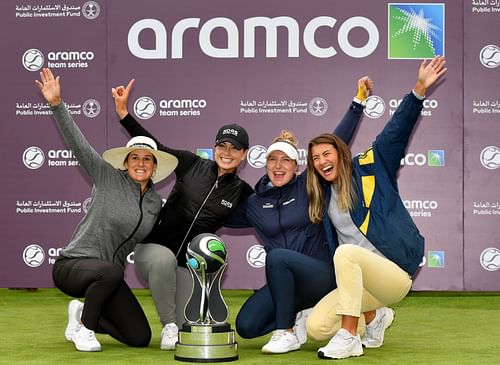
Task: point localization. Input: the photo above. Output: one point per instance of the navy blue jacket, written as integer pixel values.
(378, 211)
(280, 214)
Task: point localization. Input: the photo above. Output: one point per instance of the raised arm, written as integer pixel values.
(120, 96)
(392, 141)
(349, 123)
(134, 128)
(50, 88)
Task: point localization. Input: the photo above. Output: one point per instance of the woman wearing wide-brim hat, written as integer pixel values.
(205, 193)
(123, 210)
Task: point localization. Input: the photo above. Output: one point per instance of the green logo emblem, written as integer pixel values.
(416, 30)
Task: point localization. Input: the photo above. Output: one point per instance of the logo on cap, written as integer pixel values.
(234, 132)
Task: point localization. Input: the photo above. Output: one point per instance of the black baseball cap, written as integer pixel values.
(233, 133)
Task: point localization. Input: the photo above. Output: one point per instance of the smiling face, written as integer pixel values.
(325, 159)
(280, 168)
(140, 165)
(228, 157)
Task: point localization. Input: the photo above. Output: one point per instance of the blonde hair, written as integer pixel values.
(343, 184)
(286, 136)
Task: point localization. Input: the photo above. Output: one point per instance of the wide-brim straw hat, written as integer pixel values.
(165, 162)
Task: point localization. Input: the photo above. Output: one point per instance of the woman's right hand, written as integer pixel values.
(50, 87)
(120, 95)
(365, 86)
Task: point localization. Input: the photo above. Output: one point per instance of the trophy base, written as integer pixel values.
(206, 343)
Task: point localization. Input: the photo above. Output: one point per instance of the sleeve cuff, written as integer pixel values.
(359, 101)
(418, 96)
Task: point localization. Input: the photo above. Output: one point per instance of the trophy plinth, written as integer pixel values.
(206, 336)
(206, 343)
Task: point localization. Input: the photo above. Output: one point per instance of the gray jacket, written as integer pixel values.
(118, 217)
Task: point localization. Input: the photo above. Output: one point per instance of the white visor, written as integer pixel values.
(285, 147)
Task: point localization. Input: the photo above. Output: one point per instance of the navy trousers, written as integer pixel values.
(294, 282)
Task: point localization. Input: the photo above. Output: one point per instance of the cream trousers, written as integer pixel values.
(365, 282)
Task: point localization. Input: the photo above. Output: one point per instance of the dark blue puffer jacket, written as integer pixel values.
(280, 214)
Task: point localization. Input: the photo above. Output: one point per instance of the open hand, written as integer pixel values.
(50, 87)
(428, 73)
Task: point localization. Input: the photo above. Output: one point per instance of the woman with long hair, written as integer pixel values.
(378, 248)
(299, 268)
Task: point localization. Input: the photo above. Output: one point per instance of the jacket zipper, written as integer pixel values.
(214, 186)
(279, 220)
(135, 229)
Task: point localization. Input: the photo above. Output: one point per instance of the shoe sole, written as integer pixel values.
(322, 355)
(390, 324)
(167, 348)
(277, 353)
(93, 349)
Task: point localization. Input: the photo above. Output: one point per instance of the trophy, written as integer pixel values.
(206, 336)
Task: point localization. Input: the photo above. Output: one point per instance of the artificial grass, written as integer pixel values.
(430, 328)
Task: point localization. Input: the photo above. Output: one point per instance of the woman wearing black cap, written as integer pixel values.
(204, 194)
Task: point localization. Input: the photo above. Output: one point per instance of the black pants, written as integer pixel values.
(110, 306)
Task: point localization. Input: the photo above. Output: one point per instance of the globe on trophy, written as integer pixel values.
(206, 336)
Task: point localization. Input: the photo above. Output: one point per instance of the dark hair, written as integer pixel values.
(128, 154)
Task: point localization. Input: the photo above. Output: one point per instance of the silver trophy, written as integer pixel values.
(206, 336)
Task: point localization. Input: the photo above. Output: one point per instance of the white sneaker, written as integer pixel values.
(169, 336)
(299, 328)
(374, 332)
(75, 309)
(282, 341)
(342, 346)
(84, 340)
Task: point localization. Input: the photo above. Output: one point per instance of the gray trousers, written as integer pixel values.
(170, 285)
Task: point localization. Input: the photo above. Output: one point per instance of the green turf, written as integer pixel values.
(430, 328)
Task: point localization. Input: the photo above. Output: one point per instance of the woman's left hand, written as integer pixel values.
(429, 73)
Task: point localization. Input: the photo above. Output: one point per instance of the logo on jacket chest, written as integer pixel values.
(269, 205)
(226, 203)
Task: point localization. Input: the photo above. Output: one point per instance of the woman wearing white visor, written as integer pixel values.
(299, 266)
